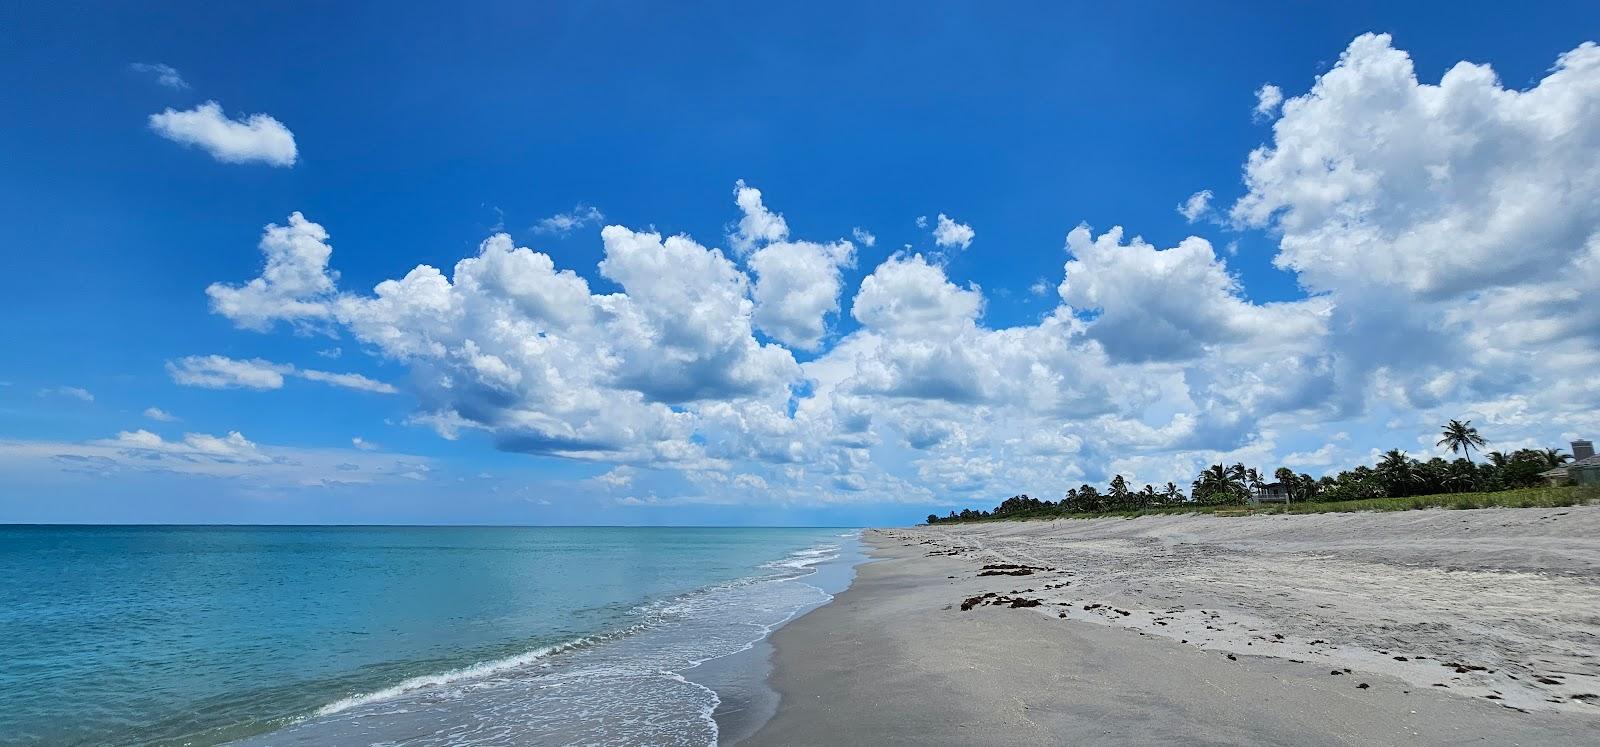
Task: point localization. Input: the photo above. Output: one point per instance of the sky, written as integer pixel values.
(609, 263)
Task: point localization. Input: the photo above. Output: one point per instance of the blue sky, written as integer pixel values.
(857, 385)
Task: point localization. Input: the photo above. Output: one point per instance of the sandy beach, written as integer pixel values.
(1421, 627)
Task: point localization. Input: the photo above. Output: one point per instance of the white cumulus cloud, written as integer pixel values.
(1172, 304)
(256, 138)
(1454, 225)
(759, 225)
(294, 286)
(1268, 98)
(949, 233)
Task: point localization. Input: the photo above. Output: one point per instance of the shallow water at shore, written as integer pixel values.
(742, 680)
(205, 635)
(641, 685)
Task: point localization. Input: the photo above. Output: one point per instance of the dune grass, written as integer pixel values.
(1522, 498)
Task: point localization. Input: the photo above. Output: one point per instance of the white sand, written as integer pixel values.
(1198, 658)
(1515, 591)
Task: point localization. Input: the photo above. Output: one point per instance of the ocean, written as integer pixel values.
(397, 635)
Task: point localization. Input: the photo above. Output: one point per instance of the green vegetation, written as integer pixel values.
(1522, 498)
(1397, 483)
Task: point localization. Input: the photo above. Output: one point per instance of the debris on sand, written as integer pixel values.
(1007, 569)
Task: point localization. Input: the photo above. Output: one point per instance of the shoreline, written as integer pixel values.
(893, 658)
(741, 681)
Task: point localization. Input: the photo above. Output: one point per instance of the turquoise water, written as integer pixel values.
(204, 635)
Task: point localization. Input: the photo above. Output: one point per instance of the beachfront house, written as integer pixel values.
(1272, 492)
(1584, 469)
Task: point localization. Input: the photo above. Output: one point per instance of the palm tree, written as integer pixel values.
(1553, 458)
(1461, 437)
(1119, 493)
(1307, 486)
(1498, 458)
(1252, 478)
(1285, 477)
(1219, 484)
(1089, 498)
(1397, 472)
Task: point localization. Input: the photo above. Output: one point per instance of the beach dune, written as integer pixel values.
(1422, 627)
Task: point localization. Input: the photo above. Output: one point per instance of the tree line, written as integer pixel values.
(1396, 475)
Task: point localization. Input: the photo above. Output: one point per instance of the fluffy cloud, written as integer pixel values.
(221, 372)
(797, 286)
(948, 233)
(164, 74)
(759, 225)
(513, 346)
(258, 137)
(295, 285)
(863, 237)
(910, 294)
(669, 372)
(1268, 97)
(1454, 227)
(684, 329)
(1174, 304)
(1196, 206)
(1427, 188)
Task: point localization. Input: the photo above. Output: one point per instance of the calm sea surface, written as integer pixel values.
(360, 635)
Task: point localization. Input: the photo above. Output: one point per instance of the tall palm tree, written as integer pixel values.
(1119, 493)
(1252, 478)
(1397, 472)
(1285, 477)
(1461, 437)
(1553, 458)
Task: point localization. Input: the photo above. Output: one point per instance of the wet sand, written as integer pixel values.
(1463, 626)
